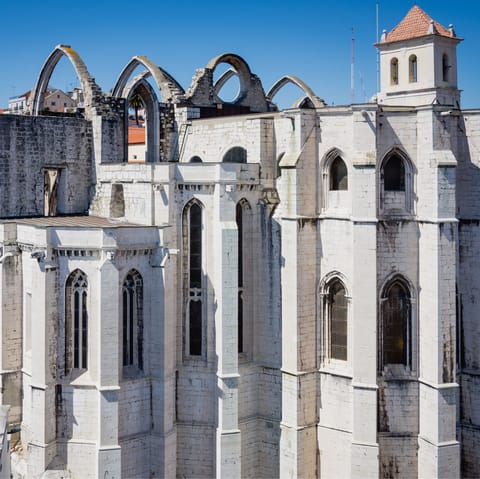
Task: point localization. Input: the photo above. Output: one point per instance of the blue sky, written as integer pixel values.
(306, 38)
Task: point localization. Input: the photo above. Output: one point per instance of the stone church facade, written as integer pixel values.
(270, 294)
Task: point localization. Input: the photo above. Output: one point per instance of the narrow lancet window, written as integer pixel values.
(445, 67)
(76, 322)
(412, 70)
(132, 306)
(394, 71)
(337, 319)
(239, 217)
(396, 325)
(192, 222)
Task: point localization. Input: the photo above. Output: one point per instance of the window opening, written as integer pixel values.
(337, 313)
(239, 218)
(413, 68)
(76, 321)
(445, 67)
(394, 174)
(237, 154)
(338, 175)
(394, 71)
(132, 306)
(193, 227)
(396, 325)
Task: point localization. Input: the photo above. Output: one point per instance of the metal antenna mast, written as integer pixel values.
(352, 69)
(378, 52)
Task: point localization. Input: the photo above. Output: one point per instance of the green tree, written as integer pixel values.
(135, 102)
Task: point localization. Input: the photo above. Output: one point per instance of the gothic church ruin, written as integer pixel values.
(248, 292)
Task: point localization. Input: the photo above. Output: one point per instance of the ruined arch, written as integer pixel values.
(222, 80)
(239, 68)
(204, 92)
(90, 88)
(309, 93)
(152, 129)
(169, 88)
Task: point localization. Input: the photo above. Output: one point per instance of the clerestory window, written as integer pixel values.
(396, 325)
(76, 318)
(394, 174)
(335, 313)
(338, 175)
(132, 318)
(192, 227)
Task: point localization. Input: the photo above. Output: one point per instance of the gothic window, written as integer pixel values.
(338, 175)
(394, 71)
(132, 318)
(445, 67)
(394, 174)
(396, 325)
(237, 154)
(412, 68)
(76, 318)
(193, 278)
(336, 315)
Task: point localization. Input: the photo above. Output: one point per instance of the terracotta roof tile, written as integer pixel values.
(416, 24)
(136, 135)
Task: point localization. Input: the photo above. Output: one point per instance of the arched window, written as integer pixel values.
(412, 68)
(76, 321)
(195, 159)
(396, 325)
(336, 320)
(132, 316)
(394, 71)
(445, 67)
(394, 174)
(338, 175)
(237, 154)
(239, 218)
(192, 240)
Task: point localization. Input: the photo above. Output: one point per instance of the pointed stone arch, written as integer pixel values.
(170, 89)
(285, 80)
(149, 97)
(239, 66)
(90, 88)
(203, 91)
(398, 199)
(223, 79)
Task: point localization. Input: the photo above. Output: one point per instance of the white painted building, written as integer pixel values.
(269, 294)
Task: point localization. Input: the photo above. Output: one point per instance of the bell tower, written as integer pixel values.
(418, 63)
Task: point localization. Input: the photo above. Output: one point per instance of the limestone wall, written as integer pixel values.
(28, 145)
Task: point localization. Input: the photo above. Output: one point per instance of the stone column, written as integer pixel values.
(228, 440)
(162, 362)
(11, 324)
(42, 438)
(298, 440)
(109, 456)
(439, 450)
(364, 452)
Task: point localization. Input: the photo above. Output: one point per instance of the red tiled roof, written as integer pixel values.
(136, 135)
(416, 24)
